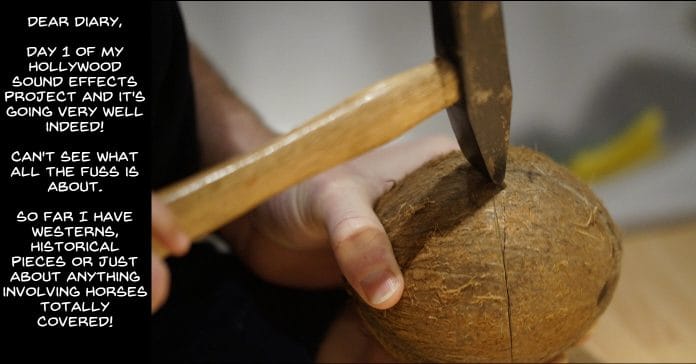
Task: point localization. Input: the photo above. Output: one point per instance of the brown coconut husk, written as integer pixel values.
(494, 274)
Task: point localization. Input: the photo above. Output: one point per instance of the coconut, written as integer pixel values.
(515, 273)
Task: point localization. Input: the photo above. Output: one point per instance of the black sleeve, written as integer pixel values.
(217, 310)
(175, 152)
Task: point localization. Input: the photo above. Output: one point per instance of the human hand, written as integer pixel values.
(325, 228)
(348, 341)
(167, 233)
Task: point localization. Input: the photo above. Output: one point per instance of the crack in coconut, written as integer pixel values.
(503, 240)
(544, 237)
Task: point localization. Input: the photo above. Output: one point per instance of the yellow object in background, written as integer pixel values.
(640, 141)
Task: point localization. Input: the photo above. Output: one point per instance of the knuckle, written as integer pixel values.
(351, 228)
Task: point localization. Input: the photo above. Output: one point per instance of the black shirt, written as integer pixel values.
(175, 151)
(217, 310)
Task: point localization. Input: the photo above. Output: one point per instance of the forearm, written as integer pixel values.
(226, 125)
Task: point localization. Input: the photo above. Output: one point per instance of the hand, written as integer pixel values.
(166, 231)
(325, 228)
(348, 341)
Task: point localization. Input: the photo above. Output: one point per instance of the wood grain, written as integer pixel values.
(209, 199)
(653, 314)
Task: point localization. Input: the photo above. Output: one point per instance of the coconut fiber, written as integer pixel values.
(517, 272)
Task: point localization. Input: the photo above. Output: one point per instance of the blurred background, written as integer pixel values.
(606, 88)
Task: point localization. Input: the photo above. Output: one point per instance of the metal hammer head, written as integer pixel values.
(470, 35)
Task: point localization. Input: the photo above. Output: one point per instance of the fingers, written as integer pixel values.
(276, 263)
(160, 283)
(346, 328)
(363, 348)
(360, 244)
(165, 229)
(395, 161)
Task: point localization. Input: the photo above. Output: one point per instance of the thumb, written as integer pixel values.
(360, 244)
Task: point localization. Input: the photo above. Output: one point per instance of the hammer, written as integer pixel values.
(469, 77)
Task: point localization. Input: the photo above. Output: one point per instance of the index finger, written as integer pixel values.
(165, 229)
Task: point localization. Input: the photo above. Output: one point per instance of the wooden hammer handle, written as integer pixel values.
(209, 199)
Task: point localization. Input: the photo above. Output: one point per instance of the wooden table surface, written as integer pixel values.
(652, 317)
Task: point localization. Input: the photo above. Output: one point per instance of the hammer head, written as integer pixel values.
(470, 36)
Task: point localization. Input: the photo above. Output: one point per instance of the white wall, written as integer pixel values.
(291, 61)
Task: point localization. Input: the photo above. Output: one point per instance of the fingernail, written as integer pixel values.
(380, 286)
